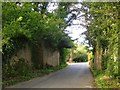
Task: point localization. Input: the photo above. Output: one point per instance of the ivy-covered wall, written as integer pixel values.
(37, 55)
(24, 53)
(21, 24)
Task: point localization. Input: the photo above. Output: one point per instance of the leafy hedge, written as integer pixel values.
(103, 34)
(21, 23)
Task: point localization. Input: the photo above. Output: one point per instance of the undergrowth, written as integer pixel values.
(103, 80)
(17, 77)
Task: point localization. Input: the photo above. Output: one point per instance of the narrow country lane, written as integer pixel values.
(76, 75)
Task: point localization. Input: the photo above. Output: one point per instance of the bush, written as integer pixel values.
(81, 58)
(80, 53)
(64, 55)
(16, 68)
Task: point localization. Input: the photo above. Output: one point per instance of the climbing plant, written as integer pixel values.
(31, 23)
(24, 21)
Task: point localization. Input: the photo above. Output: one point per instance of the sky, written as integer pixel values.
(75, 30)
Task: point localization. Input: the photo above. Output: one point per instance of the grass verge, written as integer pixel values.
(33, 74)
(102, 80)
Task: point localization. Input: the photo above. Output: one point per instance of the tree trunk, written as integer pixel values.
(98, 58)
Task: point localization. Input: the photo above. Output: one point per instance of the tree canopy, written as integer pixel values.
(102, 22)
(33, 22)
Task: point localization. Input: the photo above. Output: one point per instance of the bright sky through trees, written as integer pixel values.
(74, 30)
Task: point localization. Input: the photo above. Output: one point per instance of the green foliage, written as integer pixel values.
(81, 58)
(25, 73)
(25, 23)
(103, 80)
(19, 20)
(80, 53)
(103, 32)
(64, 55)
(12, 46)
(105, 59)
(16, 68)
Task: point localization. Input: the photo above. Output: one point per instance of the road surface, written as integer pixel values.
(75, 75)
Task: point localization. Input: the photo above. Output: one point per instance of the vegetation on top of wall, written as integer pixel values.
(19, 19)
(28, 22)
(33, 23)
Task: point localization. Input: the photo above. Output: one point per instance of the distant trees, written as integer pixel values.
(79, 54)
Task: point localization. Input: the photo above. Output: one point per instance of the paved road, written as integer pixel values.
(76, 75)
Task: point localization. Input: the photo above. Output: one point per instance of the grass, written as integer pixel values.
(33, 74)
(105, 81)
(102, 80)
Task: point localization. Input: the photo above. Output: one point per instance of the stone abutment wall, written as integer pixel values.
(38, 54)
